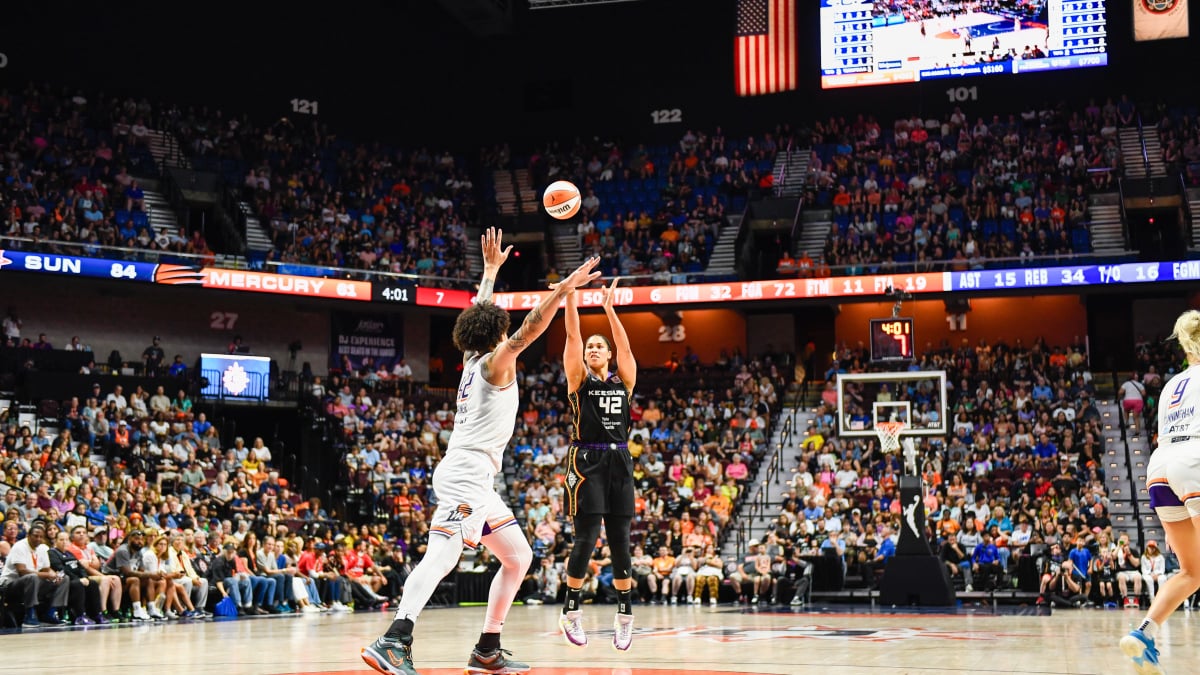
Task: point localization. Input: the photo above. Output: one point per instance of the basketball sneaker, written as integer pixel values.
(622, 632)
(1141, 650)
(572, 628)
(389, 656)
(494, 661)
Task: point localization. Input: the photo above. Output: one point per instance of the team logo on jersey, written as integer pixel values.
(462, 511)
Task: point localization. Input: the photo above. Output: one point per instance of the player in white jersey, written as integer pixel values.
(1173, 480)
(469, 509)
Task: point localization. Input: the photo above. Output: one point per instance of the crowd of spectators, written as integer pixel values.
(952, 193)
(1179, 138)
(921, 195)
(1015, 492)
(655, 210)
(131, 505)
(69, 164)
(697, 438)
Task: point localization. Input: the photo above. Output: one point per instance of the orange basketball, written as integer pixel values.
(561, 199)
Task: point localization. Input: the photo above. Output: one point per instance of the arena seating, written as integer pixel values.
(954, 193)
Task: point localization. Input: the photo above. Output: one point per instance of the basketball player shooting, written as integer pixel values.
(599, 466)
(1173, 481)
(469, 509)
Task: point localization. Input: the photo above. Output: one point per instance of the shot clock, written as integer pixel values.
(892, 339)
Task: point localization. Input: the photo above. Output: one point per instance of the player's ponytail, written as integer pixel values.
(1187, 332)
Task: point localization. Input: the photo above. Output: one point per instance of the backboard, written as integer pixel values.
(915, 397)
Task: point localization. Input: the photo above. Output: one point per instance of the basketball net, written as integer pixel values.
(889, 435)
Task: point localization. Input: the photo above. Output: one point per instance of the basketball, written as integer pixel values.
(561, 199)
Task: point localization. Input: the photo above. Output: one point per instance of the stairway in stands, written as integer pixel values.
(508, 201)
(1107, 233)
(724, 256)
(527, 195)
(770, 492)
(168, 154)
(1131, 153)
(794, 172)
(815, 225)
(1122, 493)
(1193, 197)
(568, 254)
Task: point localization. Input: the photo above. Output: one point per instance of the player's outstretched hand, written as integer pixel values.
(493, 256)
(610, 292)
(582, 276)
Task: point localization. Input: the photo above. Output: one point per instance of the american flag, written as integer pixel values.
(764, 53)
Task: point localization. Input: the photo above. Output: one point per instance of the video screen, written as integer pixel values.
(236, 376)
(891, 41)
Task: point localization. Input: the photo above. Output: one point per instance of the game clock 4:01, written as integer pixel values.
(395, 293)
(892, 339)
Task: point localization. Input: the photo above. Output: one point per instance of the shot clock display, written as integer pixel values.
(892, 339)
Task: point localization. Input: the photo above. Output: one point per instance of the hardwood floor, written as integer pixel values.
(670, 640)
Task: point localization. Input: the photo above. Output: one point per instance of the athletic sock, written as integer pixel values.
(488, 642)
(1149, 628)
(574, 596)
(401, 629)
(625, 602)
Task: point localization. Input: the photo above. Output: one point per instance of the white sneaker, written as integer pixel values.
(571, 624)
(674, 600)
(171, 615)
(533, 601)
(140, 614)
(622, 632)
(696, 600)
(339, 607)
(310, 609)
(712, 602)
(156, 613)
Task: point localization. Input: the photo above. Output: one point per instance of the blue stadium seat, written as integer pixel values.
(1081, 241)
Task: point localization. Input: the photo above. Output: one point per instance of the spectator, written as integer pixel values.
(28, 580)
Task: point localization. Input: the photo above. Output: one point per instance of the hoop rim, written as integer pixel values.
(889, 434)
(891, 428)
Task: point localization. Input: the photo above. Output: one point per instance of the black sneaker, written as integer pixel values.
(494, 661)
(389, 656)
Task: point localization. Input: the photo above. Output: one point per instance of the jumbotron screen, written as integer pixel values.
(890, 41)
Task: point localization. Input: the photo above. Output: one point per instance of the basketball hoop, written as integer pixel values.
(889, 435)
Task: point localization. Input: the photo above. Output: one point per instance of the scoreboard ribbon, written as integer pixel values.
(1069, 276)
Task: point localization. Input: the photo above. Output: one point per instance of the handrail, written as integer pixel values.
(1142, 140)
(1126, 235)
(1133, 491)
(1187, 209)
(787, 161)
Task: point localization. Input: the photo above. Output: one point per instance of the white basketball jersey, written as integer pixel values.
(1177, 407)
(486, 414)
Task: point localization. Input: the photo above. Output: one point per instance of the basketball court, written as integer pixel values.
(670, 640)
(944, 43)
